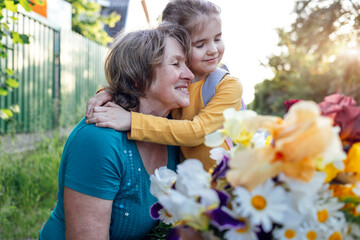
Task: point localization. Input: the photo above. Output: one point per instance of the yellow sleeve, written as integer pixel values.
(189, 132)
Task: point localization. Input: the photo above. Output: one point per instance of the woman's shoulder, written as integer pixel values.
(102, 137)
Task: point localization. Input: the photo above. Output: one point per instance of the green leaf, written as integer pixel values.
(3, 92)
(25, 5)
(6, 114)
(6, 26)
(24, 38)
(14, 18)
(3, 54)
(9, 71)
(20, 38)
(12, 83)
(10, 5)
(16, 37)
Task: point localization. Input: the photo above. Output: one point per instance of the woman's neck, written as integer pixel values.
(151, 108)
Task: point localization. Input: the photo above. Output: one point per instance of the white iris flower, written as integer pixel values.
(162, 180)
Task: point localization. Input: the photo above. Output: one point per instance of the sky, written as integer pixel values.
(249, 34)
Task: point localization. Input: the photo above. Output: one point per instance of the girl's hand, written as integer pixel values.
(110, 115)
(98, 100)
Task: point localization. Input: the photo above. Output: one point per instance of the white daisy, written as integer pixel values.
(354, 232)
(287, 233)
(166, 217)
(328, 211)
(304, 195)
(311, 231)
(264, 205)
(336, 228)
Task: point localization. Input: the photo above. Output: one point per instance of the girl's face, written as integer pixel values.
(172, 79)
(207, 48)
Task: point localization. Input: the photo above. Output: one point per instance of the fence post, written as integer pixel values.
(57, 70)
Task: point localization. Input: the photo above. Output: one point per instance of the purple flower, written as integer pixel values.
(221, 220)
(221, 169)
(154, 210)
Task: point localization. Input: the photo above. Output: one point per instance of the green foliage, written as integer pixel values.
(320, 56)
(159, 232)
(87, 21)
(28, 187)
(8, 80)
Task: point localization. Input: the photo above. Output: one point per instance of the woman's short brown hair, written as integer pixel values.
(133, 56)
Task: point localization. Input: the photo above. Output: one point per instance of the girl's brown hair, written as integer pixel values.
(189, 13)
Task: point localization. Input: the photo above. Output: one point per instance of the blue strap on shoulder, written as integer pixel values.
(209, 88)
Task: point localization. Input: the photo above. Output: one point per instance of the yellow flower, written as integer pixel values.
(331, 172)
(352, 162)
(240, 127)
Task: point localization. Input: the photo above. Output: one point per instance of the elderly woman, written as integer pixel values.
(104, 177)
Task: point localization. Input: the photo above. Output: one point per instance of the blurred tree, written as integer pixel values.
(320, 55)
(87, 20)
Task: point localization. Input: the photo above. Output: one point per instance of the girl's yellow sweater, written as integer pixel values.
(190, 125)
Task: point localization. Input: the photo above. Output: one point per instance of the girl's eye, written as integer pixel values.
(199, 46)
(177, 64)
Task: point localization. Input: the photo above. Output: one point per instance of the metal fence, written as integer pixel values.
(57, 72)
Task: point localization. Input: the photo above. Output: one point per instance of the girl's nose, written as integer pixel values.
(212, 48)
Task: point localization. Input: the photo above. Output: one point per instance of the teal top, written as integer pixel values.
(103, 163)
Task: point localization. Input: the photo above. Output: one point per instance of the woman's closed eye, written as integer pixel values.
(199, 45)
(176, 64)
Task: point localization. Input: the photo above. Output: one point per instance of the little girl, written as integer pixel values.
(189, 125)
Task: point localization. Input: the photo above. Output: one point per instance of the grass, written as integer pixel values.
(28, 188)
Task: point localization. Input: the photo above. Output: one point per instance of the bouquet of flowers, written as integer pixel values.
(296, 177)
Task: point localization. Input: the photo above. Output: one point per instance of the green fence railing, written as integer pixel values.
(57, 72)
(82, 74)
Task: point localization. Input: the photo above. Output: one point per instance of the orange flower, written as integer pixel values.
(299, 143)
(340, 190)
(252, 167)
(301, 138)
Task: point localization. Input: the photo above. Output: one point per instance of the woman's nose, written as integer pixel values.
(187, 74)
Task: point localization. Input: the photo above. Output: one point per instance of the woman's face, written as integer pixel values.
(170, 86)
